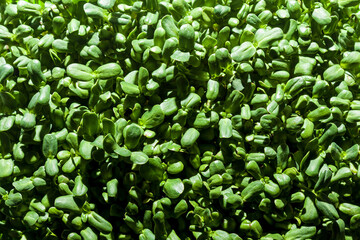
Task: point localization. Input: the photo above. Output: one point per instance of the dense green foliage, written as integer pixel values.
(182, 119)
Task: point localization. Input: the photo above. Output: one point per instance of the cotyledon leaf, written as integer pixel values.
(152, 118)
(173, 188)
(50, 146)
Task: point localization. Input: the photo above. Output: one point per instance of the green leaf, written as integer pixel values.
(13, 199)
(186, 38)
(85, 149)
(99, 222)
(347, 3)
(220, 235)
(111, 146)
(6, 71)
(209, 42)
(253, 189)
(31, 218)
(152, 118)
(139, 158)
(132, 135)
(353, 116)
(51, 167)
(321, 16)
(169, 106)
(130, 88)
(243, 52)
(6, 123)
(350, 60)
(173, 188)
(309, 212)
(6, 166)
(80, 72)
(265, 37)
(90, 124)
(168, 23)
(191, 101)
(107, 4)
(319, 113)
(94, 11)
(225, 128)
(88, 234)
(327, 209)
(189, 137)
(180, 56)
(79, 188)
(300, 233)
(153, 170)
(354, 222)
(24, 184)
(67, 203)
(26, 7)
(108, 70)
(335, 72)
(349, 209)
(175, 166)
(50, 146)
(35, 72)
